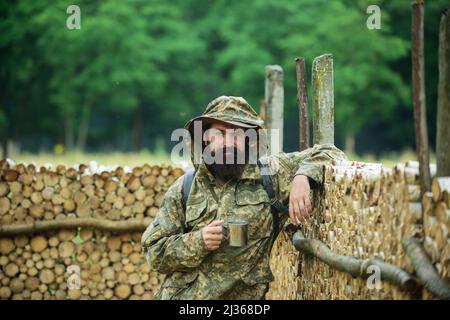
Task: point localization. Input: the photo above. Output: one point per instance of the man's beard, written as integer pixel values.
(227, 171)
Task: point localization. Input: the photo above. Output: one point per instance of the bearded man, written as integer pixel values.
(186, 240)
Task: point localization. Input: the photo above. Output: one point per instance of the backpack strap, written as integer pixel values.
(187, 184)
(188, 179)
(275, 205)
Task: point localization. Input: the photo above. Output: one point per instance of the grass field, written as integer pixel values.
(134, 159)
(113, 158)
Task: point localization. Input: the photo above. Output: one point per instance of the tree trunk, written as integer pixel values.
(443, 108)
(418, 78)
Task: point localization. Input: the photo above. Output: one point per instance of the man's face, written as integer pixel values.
(226, 137)
(227, 145)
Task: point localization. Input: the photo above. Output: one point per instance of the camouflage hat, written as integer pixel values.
(232, 110)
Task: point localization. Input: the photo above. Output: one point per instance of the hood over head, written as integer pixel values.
(229, 109)
(232, 110)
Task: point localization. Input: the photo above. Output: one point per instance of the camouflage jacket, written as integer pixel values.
(192, 271)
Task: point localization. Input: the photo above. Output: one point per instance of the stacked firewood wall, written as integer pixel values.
(40, 261)
(436, 224)
(364, 211)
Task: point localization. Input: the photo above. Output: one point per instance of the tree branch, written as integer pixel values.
(69, 223)
(353, 266)
(425, 269)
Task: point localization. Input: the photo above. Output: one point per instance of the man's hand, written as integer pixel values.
(212, 235)
(299, 201)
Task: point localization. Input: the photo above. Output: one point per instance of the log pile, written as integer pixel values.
(363, 211)
(29, 194)
(285, 262)
(109, 266)
(42, 264)
(436, 224)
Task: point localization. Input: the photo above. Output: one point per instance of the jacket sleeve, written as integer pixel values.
(309, 162)
(167, 249)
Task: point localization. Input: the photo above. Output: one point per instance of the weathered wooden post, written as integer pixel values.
(418, 79)
(263, 109)
(302, 99)
(443, 107)
(323, 99)
(274, 98)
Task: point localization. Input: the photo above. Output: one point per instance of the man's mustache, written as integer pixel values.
(227, 150)
(230, 155)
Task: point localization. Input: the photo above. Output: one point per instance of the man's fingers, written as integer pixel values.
(296, 212)
(214, 230)
(308, 204)
(216, 223)
(212, 243)
(214, 237)
(291, 212)
(301, 213)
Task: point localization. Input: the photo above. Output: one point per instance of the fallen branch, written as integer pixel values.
(425, 269)
(70, 223)
(353, 266)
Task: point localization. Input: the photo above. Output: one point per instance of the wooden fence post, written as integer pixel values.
(443, 107)
(274, 97)
(263, 109)
(418, 79)
(302, 98)
(323, 99)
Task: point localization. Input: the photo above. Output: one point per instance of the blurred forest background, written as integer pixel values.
(138, 69)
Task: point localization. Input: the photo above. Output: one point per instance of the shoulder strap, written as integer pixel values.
(188, 178)
(276, 205)
(187, 184)
(268, 186)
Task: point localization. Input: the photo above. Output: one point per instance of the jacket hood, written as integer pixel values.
(233, 110)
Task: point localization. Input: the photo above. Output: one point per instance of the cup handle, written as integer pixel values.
(225, 232)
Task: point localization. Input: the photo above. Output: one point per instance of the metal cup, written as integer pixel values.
(236, 231)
